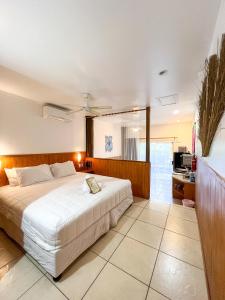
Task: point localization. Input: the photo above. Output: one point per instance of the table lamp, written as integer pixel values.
(80, 164)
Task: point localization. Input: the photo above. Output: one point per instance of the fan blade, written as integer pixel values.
(72, 105)
(101, 107)
(91, 111)
(75, 111)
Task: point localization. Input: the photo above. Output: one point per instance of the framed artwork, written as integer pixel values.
(108, 143)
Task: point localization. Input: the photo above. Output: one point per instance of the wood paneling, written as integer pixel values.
(137, 172)
(10, 161)
(210, 202)
(148, 134)
(89, 136)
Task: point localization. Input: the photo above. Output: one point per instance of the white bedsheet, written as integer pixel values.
(61, 214)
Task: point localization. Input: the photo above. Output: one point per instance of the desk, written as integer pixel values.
(183, 188)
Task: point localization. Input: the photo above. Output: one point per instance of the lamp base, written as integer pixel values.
(81, 165)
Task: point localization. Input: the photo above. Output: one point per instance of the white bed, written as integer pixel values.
(55, 221)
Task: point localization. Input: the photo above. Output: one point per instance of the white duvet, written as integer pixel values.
(59, 216)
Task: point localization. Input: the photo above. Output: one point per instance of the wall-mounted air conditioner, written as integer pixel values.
(52, 111)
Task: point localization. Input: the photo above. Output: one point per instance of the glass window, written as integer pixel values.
(161, 154)
(121, 136)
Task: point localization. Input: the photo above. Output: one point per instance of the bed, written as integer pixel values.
(55, 221)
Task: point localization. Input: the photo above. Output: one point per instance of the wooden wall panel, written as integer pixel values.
(10, 161)
(210, 203)
(89, 136)
(148, 134)
(137, 172)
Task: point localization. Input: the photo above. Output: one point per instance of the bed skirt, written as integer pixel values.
(55, 262)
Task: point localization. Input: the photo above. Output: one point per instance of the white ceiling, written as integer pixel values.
(52, 50)
(130, 119)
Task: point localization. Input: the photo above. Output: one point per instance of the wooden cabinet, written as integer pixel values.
(183, 188)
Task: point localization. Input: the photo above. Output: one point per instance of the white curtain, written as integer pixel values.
(129, 143)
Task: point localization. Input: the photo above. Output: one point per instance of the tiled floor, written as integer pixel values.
(161, 185)
(153, 253)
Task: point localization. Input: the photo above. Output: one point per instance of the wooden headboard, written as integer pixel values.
(11, 161)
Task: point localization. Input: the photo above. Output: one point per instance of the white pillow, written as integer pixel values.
(30, 175)
(63, 169)
(12, 176)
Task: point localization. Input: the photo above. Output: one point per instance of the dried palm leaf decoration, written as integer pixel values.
(212, 98)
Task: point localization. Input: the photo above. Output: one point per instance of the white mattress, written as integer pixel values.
(58, 211)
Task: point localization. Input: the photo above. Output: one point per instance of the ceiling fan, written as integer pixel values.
(90, 109)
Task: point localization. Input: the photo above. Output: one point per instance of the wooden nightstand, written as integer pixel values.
(89, 170)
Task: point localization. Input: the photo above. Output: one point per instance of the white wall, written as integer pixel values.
(102, 129)
(217, 154)
(182, 131)
(24, 131)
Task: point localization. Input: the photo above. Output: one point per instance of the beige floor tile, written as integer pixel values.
(153, 217)
(146, 233)
(113, 284)
(79, 276)
(178, 225)
(136, 259)
(140, 202)
(124, 225)
(182, 247)
(153, 295)
(178, 280)
(36, 263)
(183, 212)
(162, 207)
(107, 244)
(43, 289)
(133, 211)
(9, 250)
(20, 277)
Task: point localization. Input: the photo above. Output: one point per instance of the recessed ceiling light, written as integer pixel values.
(163, 72)
(178, 121)
(135, 107)
(176, 112)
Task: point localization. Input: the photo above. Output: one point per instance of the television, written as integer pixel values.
(181, 161)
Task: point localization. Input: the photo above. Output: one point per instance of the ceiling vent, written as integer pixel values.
(56, 112)
(168, 100)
